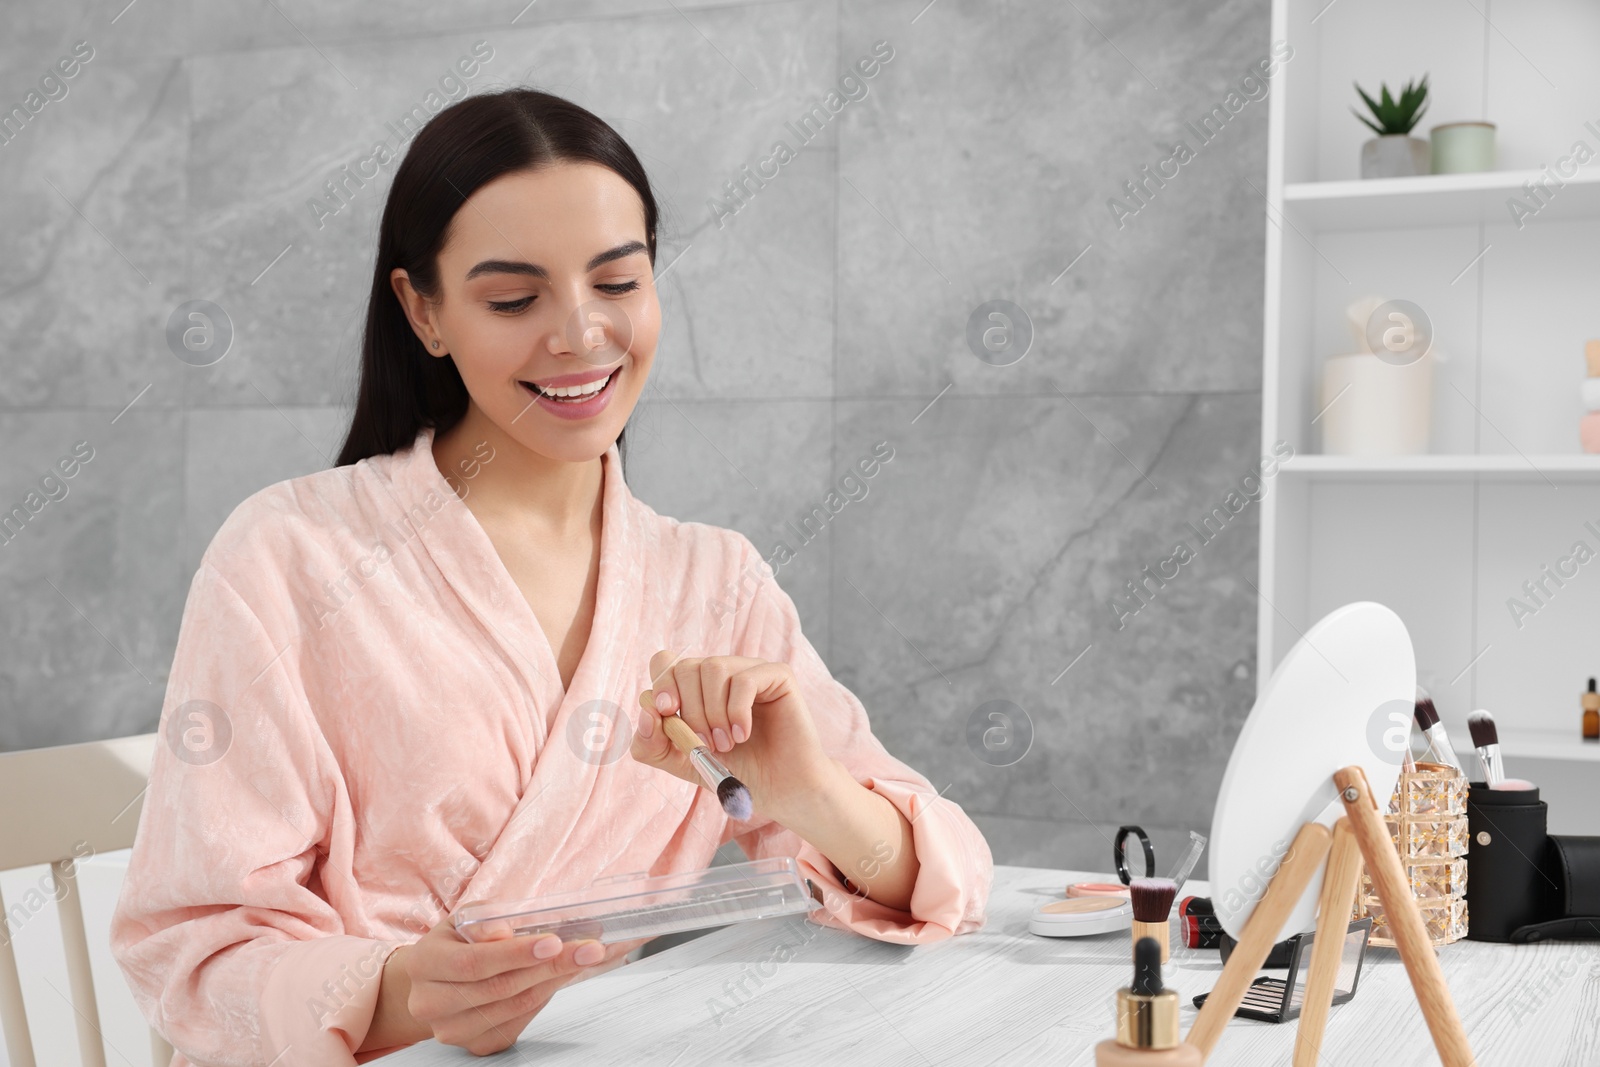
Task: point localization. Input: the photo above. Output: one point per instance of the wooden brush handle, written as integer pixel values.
(1161, 931)
(676, 729)
(680, 734)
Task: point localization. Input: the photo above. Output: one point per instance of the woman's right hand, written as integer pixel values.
(481, 995)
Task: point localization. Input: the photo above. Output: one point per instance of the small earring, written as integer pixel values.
(436, 344)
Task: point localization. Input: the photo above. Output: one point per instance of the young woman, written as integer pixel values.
(436, 673)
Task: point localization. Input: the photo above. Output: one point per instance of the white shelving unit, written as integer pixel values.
(1449, 537)
(1439, 199)
(1438, 467)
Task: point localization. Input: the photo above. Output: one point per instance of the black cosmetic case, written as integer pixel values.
(1523, 883)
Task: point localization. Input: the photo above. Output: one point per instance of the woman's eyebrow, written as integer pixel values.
(508, 266)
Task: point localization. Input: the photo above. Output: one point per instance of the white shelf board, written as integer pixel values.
(1564, 745)
(1509, 465)
(1439, 200)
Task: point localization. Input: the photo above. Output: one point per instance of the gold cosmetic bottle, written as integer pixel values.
(1591, 714)
(1147, 1019)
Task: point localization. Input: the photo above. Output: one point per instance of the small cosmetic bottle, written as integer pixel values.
(1147, 1020)
(1591, 714)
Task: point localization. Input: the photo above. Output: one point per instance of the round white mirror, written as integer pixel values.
(1343, 696)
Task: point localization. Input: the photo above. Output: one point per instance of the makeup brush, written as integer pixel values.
(1152, 906)
(1486, 739)
(731, 793)
(1427, 717)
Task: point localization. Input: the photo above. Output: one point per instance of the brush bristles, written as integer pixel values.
(1152, 898)
(1425, 712)
(735, 798)
(1484, 734)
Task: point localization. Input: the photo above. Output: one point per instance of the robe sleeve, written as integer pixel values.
(956, 868)
(223, 927)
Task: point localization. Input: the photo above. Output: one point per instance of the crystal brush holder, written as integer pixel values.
(1427, 821)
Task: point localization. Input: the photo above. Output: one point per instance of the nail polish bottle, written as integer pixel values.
(1147, 1019)
(1591, 714)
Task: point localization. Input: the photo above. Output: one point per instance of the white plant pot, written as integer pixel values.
(1396, 155)
(1370, 407)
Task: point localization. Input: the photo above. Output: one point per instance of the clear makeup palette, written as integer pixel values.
(1278, 997)
(631, 906)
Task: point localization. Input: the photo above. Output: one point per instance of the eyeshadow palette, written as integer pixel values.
(1277, 1000)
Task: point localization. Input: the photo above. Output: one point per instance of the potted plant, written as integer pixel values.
(1394, 153)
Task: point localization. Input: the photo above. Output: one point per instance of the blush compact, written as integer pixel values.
(1098, 889)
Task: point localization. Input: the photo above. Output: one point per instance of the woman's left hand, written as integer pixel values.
(750, 713)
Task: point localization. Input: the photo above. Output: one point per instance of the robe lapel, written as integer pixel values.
(547, 844)
(469, 563)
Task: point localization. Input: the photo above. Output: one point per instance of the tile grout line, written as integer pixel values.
(833, 342)
(185, 382)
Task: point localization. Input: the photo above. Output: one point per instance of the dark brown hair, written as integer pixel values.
(464, 147)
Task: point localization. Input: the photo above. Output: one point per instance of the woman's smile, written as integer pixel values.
(575, 396)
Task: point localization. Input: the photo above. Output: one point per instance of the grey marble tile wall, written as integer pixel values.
(1026, 151)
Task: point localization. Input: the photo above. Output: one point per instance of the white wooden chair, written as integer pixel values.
(55, 801)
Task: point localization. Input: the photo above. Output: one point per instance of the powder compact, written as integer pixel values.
(1082, 916)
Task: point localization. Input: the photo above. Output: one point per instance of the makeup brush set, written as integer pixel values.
(1523, 883)
(1485, 740)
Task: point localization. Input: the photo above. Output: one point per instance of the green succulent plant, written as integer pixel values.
(1395, 116)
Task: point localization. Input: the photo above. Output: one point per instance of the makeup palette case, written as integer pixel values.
(1573, 863)
(631, 906)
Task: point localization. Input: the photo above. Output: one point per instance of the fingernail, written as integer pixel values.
(738, 733)
(589, 954)
(663, 700)
(547, 946)
(647, 726)
(723, 744)
(702, 738)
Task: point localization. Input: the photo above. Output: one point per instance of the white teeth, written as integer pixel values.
(577, 391)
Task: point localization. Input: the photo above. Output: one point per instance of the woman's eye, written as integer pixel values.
(510, 305)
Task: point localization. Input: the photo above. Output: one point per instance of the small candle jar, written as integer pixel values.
(1462, 147)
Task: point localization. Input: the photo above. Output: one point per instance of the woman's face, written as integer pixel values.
(547, 290)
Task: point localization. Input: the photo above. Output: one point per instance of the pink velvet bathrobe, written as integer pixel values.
(365, 726)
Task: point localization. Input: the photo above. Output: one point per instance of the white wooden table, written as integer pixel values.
(812, 995)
